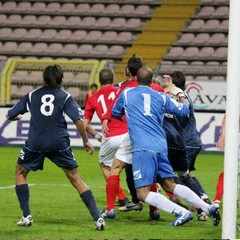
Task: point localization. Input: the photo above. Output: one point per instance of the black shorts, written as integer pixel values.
(33, 160)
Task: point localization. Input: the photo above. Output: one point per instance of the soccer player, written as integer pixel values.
(93, 89)
(48, 138)
(101, 102)
(184, 143)
(145, 109)
(123, 157)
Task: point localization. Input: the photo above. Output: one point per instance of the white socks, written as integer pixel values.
(161, 202)
(191, 197)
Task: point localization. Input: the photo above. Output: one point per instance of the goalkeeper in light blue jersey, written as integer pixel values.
(144, 109)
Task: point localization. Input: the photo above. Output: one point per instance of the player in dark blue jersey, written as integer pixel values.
(145, 109)
(184, 142)
(48, 138)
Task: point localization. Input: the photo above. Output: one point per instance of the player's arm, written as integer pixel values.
(221, 141)
(178, 92)
(15, 118)
(91, 130)
(118, 108)
(82, 130)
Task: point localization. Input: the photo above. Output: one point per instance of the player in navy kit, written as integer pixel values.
(48, 138)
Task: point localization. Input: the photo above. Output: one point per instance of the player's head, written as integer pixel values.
(93, 87)
(166, 81)
(134, 63)
(106, 76)
(178, 79)
(144, 76)
(53, 75)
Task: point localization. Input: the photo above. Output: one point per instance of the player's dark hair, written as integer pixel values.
(178, 79)
(93, 85)
(145, 76)
(53, 75)
(134, 63)
(106, 76)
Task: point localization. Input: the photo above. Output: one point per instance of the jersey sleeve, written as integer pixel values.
(20, 108)
(118, 108)
(72, 109)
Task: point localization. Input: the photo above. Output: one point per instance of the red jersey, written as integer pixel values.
(102, 102)
(133, 83)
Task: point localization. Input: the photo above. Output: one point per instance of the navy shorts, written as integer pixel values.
(32, 160)
(183, 159)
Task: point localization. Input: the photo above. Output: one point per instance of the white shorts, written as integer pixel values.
(109, 147)
(124, 152)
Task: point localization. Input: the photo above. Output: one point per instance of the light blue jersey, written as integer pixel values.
(145, 109)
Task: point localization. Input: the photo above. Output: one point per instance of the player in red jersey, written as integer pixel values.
(123, 157)
(101, 102)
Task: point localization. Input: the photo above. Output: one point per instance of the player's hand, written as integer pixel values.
(18, 117)
(175, 91)
(89, 147)
(105, 129)
(221, 144)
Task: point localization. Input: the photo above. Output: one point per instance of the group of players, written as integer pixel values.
(148, 129)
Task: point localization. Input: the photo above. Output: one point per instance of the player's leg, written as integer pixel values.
(27, 161)
(219, 189)
(65, 160)
(86, 195)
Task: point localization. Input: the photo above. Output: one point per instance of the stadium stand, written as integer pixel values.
(171, 34)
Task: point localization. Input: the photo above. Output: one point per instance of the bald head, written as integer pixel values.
(144, 76)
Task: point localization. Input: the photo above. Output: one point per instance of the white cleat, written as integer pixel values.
(25, 221)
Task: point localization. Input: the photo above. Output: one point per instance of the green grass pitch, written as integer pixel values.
(59, 213)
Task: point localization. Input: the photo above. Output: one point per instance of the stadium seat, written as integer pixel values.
(124, 37)
(224, 25)
(115, 51)
(69, 48)
(43, 20)
(118, 22)
(96, 8)
(190, 52)
(28, 20)
(109, 36)
(64, 34)
(24, 6)
(195, 25)
(9, 47)
(24, 47)
(221, 53)
(54, 48)
(57, 21)
(23, 90)
(112, 9)
(19, 76)
(82, 8)
(175, 52)
(14, 19)
(34, 33)
(38, 7)
(78, 35)
(206, 53)
(67, 8)
(186, 38)
(211, 25)
(3, 18)
(100, 49)
(201, 39)
(74, 91)
(52, 7)
(19, 33)
(103, 22)
(222, 12)
(48, 34)
(218, 39)
(133, 23)
(88, 22)
(72, 21)
(127, 9)
(94, 35)
(39, 48)
(206, 11)
(5, 32)
(142, 10)
(85, 49)
(8, 6)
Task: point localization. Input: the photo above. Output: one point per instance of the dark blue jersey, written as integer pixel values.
(48, 127)
(181, 130)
